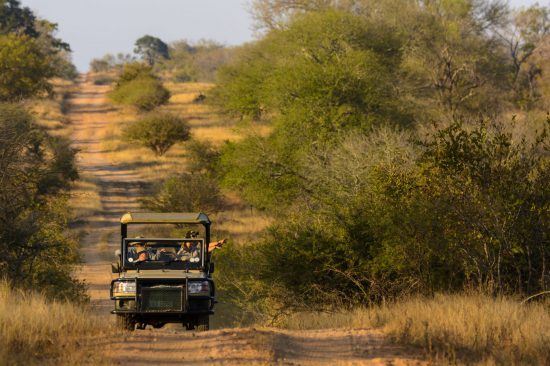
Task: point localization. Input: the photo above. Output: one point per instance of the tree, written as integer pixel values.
(197, 192)
(525, 33)
(151, 49)
(24, 70)
(19, 21)
(14, 19)
(158, 131)
(326, 73)
(35, 170)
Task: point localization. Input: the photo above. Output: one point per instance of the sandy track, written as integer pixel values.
(119, 191)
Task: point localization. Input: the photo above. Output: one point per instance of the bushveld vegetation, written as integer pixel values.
(38, 322)
(138, 87)
(36, 167)
(158, 131)
(180, 61)
(408, 155)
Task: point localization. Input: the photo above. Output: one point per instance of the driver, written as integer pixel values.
(142, 254)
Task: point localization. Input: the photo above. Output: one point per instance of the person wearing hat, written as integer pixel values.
(190, 249)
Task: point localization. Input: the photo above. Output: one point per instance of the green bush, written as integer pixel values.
(137, 86)
(103, 80)
(382, 217)
(134, 70)
(144, 93)
(203, 157)
(24, 70)
(36, 172)
(324, 74)
(186, 193)
(158, 131)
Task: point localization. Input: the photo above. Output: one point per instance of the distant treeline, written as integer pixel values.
(408, 151)
(180, 61)
(36, 167)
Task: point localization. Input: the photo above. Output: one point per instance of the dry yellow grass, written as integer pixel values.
(85, 199)
(36, 331)
(50, 112)
(469, 329)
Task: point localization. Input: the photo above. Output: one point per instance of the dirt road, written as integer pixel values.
(117, 189)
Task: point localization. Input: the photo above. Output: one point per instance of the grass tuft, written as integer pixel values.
(34, 330)
(457, 328)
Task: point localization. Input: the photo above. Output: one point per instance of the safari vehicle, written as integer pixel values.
(164, 280)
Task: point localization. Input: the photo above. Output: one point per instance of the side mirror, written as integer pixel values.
(118, 253)
(211, 269)
(115, 267)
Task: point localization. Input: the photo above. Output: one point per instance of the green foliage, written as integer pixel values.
(24, 70)
(371, 198)
(197, 192)
(138, 87)
(103, 80)
(145, 94)
(197, 61)
(134, 70)
(111, 62)
(158, 131)
(326, 73)
(35, 170)
(15, 19)
(20, 21)
(203, 157)
(469, 208)
(151, 49)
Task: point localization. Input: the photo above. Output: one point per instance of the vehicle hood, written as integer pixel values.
(162, 274)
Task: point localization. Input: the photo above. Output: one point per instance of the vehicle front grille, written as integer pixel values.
(161, 298)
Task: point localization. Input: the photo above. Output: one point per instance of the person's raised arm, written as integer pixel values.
(217, 244)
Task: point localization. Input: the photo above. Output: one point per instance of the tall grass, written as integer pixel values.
(36, 331)
(467, 329)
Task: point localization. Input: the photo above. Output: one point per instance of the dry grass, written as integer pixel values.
(50, 112)
(466, 329)
(85, 199)
(36, 331)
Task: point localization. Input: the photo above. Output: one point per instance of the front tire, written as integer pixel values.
(203, 323)
(199, 323)
(124, 322)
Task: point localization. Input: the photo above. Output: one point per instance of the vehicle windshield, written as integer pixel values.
(152, 253)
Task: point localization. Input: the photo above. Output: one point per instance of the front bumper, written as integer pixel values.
(180, 302)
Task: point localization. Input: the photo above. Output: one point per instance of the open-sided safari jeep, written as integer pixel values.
(164, 280)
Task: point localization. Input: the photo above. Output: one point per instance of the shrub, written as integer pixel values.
(24, 70)
(138, 87)
(203, 157)
(186, 193)
(145, 94)
(158, 131)
(134, 70)
(103, 80)
(381, 217)
(36, 169)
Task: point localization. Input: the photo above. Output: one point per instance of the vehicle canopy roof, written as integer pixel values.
(165, 218)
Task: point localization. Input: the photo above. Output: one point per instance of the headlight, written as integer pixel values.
(198, 288)
(124, 288)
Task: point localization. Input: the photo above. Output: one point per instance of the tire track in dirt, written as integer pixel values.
(118, 188)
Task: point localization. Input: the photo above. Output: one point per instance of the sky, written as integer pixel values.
(96, 27)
